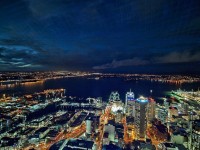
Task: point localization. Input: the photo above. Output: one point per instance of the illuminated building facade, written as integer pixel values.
(166, 106)
(114, 97)
(129, 103)
(89, 125)
(110, 129)
(194, 139)
(162, 115)
(151, 109)
(116, 103)
(173, 111)
(118, 116)
(141, 106)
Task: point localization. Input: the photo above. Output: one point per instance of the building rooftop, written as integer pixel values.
(196, 125)
(161, 128)
(180, 131)
(142, 100)
(111, 147)
(8, 141)
(111, 122)
(52, 133)
(77, 144)
(57, 145)
(40, 130)
(89, 118)
(169, 145)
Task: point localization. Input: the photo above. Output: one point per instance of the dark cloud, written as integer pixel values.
(173, 57)
(127, 62)
(179, 57)
(12, 54)
(23, 41)
(100, 34)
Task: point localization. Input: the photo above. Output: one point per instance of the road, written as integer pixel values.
(103, 120)
(155, 142)
(127, 138)
(73, 134)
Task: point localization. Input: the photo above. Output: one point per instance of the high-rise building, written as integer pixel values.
(129, 103)
(115, 102)
(194, 138)
(166, 105)
(110, 130)
(162, 115)
(173, 111)
(99, 102)
(119, 116)
(89, 125)
(151, 109)
(141, 106)
(185, 108)
(114, 97)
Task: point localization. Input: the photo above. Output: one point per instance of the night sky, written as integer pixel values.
(136, 36)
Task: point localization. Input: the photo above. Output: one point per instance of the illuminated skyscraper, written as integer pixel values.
(118, 116)
(141, 106)
(162, 115)
(129, 103)
(151, 109)
(166, 106)
(194, 138)
(88, 125)
(115, 102)
(114, 97)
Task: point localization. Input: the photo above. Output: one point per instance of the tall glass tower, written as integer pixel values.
(141, 106)
(129, 103)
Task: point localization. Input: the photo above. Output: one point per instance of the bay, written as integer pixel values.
(82, 87)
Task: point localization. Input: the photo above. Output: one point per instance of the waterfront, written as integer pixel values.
(48, 117)
(82, 87)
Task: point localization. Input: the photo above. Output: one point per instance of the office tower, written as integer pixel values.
(114, 97)
(162, 115)
(115, 102)
(151, 109)
(119, 116)
(173, 111)
(166, 106)
(129, 103)
(110, 129)
(196, 135)
(141, 105)
(194, 132)
(99, 102)
(89, 125)
(185, 107)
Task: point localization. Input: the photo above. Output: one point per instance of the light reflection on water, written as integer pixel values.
(82, 87)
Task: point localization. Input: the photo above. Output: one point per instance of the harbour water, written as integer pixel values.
(83, 87)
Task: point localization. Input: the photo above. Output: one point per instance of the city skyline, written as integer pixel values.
(99, 74)
(53, 120)
(100, 36)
